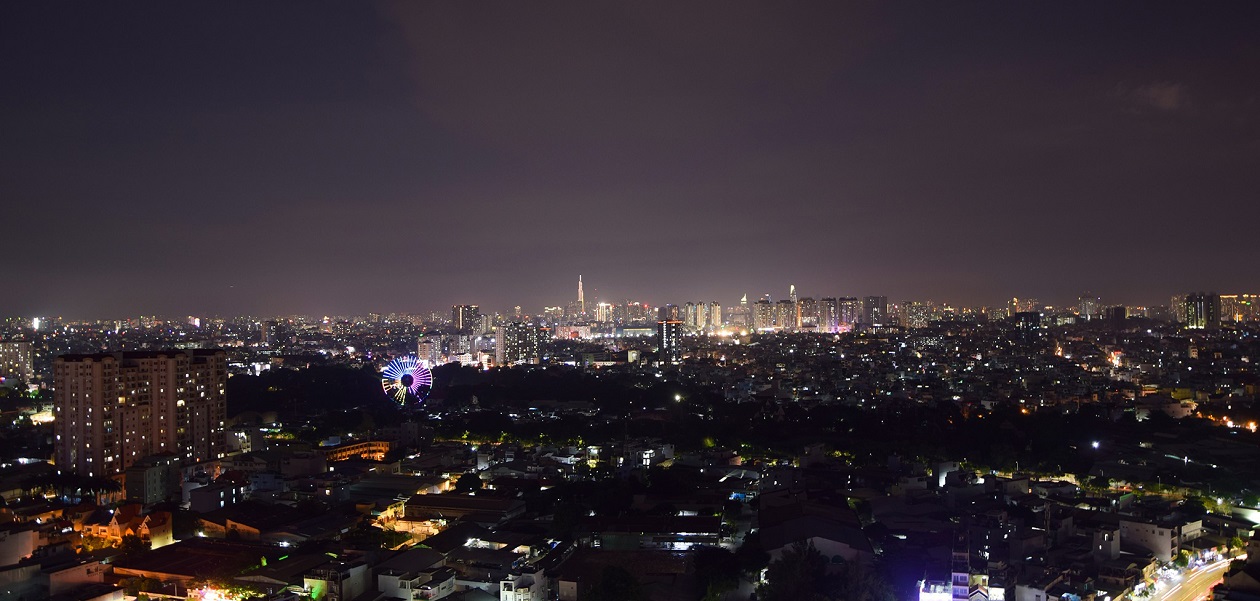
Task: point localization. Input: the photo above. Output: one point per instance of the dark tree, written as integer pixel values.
(616, 584)
(468, 483)
(800, 574)
(133, 545)
(717, 571)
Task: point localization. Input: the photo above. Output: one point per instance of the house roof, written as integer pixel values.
(412, 560)
(805, 527)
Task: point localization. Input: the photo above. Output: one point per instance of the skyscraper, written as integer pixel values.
(581, 297)
(1203, 311)
(1089, 305)
(603, 312)
(715, 316)
(763, 315)
(828, 315)
(669, 340)
(466, 318)
(807, 315)
(741, 314)
(112, 409)
(785, 315)
(693, 316)
(668, 313)
(850, 309)
(875, 310)
(1177, 307)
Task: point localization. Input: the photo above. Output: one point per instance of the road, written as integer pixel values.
(1195, 584)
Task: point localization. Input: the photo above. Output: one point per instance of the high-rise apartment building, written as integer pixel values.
(1089, 306)
(429, 349)
(113, 409)
(1177, 307)
(1240, 307)
(829, 315)
(270, 333)
(693, 316)
(741, 314)
(1203, 311)
(763, 315)
(668, 312)
(466, 318)
(785, 315)
(875, 310)
(715, 315)
(669, 340)
(850, 309)
(807, 315)
(15, 361)
(517, 342)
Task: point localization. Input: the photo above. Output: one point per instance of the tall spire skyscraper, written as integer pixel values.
(581, 296)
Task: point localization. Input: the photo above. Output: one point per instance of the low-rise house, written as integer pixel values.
(156, 528)
(415, 574)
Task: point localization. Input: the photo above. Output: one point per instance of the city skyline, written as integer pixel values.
(1063, 303)
(176, 160)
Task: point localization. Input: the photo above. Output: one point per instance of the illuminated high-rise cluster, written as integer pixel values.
(702, 317)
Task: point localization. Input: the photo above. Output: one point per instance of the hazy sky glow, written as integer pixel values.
(299, 158)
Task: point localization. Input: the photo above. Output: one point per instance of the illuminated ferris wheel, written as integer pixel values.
(405, 375)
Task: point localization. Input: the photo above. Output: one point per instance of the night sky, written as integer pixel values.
(269, 158)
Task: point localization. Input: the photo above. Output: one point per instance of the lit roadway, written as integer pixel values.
(1195, 584)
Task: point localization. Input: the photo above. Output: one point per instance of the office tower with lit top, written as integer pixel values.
(603, 312)
(1239, 307)
(112, 409)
